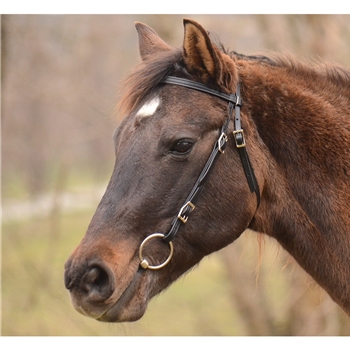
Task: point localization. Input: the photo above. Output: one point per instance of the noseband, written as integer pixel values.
(234, 103)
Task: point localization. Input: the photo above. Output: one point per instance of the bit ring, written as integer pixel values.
(144, 263)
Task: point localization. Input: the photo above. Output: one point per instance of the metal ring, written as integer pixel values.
(144, 263)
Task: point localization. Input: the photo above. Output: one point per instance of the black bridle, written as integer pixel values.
(234, 103)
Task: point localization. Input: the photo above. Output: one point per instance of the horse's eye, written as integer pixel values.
(183, 146)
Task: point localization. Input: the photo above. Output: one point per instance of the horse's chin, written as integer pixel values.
(118, 313)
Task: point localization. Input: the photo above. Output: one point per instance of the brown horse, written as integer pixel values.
(197, 166)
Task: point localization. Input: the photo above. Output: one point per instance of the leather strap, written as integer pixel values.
(200, 87)
(189, 204)
(235, 103)
(242, 151)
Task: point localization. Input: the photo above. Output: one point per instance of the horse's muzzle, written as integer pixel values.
(90, 286)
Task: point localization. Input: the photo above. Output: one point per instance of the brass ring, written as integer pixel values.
(144, 263)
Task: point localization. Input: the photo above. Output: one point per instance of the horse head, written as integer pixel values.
(161, 148)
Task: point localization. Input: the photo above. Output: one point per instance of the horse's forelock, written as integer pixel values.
(145, 77)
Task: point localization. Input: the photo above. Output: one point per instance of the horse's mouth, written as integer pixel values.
(125, 295)
(132, 304)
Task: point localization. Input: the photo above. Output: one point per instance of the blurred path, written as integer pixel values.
(44, 205)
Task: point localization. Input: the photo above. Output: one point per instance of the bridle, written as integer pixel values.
(234, 103)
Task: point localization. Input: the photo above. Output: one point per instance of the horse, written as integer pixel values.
(213, 143)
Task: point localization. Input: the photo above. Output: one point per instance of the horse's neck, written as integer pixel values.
(306, 202)
(325, 256)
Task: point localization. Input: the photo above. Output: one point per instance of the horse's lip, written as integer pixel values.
(118, 312)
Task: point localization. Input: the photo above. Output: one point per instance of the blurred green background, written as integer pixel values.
(60, 77)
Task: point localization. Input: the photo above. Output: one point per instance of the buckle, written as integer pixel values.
(182, 215)
(222, 142)
(239, 138)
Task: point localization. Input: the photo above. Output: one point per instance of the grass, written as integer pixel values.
(222, 296)
(35, 302)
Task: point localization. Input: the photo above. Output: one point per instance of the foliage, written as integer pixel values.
(225, 295)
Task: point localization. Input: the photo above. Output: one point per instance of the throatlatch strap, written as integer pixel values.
(242, 151)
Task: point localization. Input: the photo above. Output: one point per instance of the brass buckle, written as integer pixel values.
(183, 217)
(239, 144)
(144, 263)
(222, 141)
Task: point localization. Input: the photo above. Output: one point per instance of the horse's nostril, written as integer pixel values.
(96, 282)
(94, 279)
(67, 280)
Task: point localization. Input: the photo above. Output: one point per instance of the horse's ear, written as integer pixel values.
(204, 59)
(149, 41)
